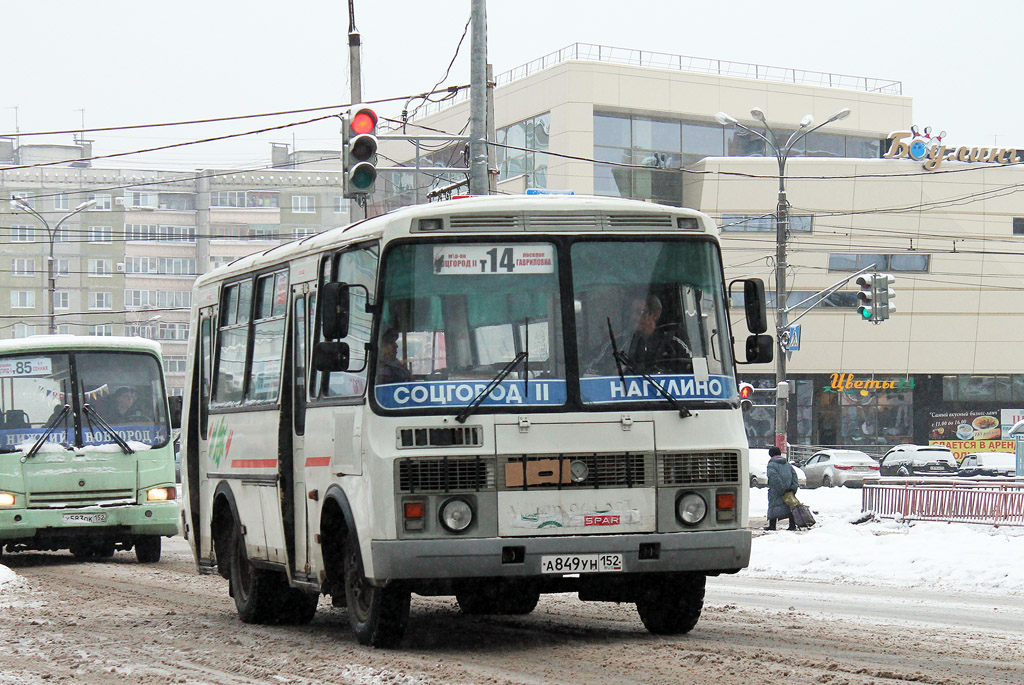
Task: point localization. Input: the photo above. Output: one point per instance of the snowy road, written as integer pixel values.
(118, 621)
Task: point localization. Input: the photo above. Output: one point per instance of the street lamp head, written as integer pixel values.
(84, 205)
(841, 114)
(724, 119)
(757, 114)
(806, 121)
(18, 203)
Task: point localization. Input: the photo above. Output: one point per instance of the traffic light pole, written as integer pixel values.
(478, 100)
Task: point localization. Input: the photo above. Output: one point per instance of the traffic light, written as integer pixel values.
(882, 294)
(866, 297)
(359, 153)
(746, 396)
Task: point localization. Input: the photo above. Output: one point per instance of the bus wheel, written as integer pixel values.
(378, 615)
(147, 549)
(672, 605)
(256, 591)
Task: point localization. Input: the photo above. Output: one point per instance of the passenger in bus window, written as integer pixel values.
(389, 368)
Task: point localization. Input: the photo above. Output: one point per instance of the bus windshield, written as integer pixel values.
(124, 389)
(456, 314)
(650, 322)
(650, 312)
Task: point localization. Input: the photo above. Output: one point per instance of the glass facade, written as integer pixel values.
(666, 143)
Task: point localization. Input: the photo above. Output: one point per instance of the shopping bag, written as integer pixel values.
(789, 497)
(802, 517)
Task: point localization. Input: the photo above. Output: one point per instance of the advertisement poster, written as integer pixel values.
(973, 431)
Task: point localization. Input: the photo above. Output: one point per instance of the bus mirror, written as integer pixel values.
(759, 349)
(330, 356)
(334, 310)
(754, 305)
(174, 406)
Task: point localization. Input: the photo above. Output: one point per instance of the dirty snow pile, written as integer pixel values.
(949, 556)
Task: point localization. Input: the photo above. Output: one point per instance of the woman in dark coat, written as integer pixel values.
(781, 479)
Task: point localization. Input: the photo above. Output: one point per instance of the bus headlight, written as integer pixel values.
(456, 515)
(159, 494)
(691, 508)
(6, 499)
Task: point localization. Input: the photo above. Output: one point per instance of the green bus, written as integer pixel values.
(86, 456)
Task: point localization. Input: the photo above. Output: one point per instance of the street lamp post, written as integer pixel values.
(51, 234)
(781, 152)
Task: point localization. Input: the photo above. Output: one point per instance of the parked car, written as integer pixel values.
(759, 470)
(829, 468)
(1001, 464)
(918, 460)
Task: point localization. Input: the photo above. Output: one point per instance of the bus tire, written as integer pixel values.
(672, 605)
(257, 592)
(378, 615)
(147, 549)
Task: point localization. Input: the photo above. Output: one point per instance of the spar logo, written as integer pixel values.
(601, 520)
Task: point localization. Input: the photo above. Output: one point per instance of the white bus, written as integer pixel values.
(491, 398)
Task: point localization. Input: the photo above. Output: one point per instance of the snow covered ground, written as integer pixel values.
(947, 556)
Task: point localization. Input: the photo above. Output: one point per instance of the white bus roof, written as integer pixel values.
(51, 343)
(400, 222)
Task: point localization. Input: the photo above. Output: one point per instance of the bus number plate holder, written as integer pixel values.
(85, 518)
(581, 563)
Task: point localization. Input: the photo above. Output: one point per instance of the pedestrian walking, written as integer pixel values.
(781, 479)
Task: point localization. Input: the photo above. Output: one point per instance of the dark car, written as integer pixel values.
(999, 464)
(918, 460)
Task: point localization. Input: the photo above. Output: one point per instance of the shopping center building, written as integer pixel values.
(943, 216)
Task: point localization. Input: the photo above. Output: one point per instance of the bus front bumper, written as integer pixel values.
(157, 518)
(722, 551)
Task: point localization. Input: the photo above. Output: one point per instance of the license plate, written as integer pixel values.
(85, 518)
(937, 468)
(581, 563)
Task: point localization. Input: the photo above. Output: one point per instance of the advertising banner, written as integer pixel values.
(965, 425)
(961, 448)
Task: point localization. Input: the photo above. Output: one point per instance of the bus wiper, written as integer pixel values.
(106, 426)
(471, 407)
(615, 352)
(50, 426)
(624, 360)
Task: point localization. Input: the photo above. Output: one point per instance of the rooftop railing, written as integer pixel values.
(590, 52)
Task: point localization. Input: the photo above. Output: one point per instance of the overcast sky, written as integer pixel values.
(143, 61)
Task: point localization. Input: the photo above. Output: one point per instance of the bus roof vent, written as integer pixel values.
(562, 222)
(640, 222)
(485, 222)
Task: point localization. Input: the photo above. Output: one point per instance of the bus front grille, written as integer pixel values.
(546, 472)
(79, 498)
(445, 474)
(692, 468)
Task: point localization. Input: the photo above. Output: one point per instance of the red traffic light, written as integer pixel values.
(363, 121)
(746, 391)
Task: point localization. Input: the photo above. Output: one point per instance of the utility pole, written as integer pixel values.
(354, 73)
(478, 100)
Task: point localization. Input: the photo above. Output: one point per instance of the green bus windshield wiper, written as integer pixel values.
(478, 400)
(50, 426)
(106, 426)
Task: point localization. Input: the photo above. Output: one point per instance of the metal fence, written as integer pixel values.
(590, 52)
(955, 500)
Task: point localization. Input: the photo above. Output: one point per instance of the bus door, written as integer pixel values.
(197, 450)
(301, 460)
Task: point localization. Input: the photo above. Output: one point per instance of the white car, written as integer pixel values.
(829, 468)
(759, 470)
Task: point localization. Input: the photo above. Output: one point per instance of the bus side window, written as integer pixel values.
(355, 267)
(205, 355)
